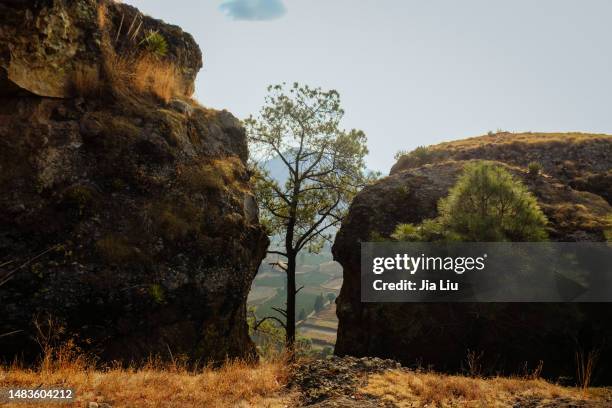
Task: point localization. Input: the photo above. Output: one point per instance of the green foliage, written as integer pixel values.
(325, 164)
(319, 303)
(269, 335)
(534, 169)
(487, 205)
(331, 296)
(157, 293)
(428, 231)
(155, 43)
(399, 154)
(300, 125)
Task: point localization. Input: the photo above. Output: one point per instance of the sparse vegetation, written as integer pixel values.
(585, 366)
(208, 176)
(134, 63)
(116, 249)
(410, 389)
(420, 155)
(534, 169)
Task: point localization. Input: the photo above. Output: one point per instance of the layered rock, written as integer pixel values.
(508, 335)
(127, 223)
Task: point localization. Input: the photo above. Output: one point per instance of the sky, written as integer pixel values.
(410, 72)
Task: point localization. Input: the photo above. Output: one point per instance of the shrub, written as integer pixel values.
(534, 169)
(155, 44)
(429, 230)
(399, 154)
(487, 204)
(421, 154)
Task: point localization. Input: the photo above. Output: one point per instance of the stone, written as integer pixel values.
(440, 335)
(135, 223)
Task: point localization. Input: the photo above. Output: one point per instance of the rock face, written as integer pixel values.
(576, 168)
(44, 43)
(126, 224)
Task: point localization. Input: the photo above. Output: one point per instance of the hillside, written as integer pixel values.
(572, 191)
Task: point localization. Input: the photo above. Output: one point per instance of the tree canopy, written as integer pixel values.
(325, 168)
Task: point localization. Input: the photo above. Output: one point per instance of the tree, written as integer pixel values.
(325, 164)
(302, 315)
(485, 205)
(331, 297)
(319, 303)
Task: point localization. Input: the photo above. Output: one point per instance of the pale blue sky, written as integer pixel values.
(411, 72)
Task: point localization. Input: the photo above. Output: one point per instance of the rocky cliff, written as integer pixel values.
(574, 193)
(127, 222)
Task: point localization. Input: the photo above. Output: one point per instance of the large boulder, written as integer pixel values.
(509, 336)
(127, 225)
(45, 43)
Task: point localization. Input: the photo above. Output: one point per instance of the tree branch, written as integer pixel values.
(279, 310)
(278, 253)
(317, 223)
(280, 265)
(257, 324)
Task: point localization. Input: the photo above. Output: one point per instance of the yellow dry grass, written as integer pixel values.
(508, 138)
(102, 15)
(236, 384)
(159, 78)
(86, 81)
(420, 389)
(143, 75)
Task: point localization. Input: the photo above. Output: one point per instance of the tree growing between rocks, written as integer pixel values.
(325, 168)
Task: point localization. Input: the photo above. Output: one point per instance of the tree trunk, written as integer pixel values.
(290, 331)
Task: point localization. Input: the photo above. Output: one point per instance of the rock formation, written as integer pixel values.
(127, 222)
(574, 193)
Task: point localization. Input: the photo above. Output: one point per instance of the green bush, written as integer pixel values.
(155, 43)
(428, 231)
(534, 169)
(487, 205)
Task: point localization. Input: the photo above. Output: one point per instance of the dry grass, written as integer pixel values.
(102, 15)
(156, 77)
(143, 75)
(87, 82)
(509, 138)
(414, 389)
(212, 176)
(236, 384)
